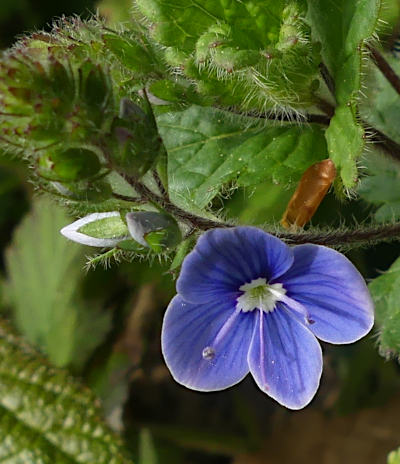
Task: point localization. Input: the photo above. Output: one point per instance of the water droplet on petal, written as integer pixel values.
(208, 353)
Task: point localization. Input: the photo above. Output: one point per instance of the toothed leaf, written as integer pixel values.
(342, 53)
(208, 148)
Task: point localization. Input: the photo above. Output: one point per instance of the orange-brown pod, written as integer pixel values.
(312, 188)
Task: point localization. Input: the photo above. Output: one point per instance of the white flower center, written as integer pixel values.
(259, 295)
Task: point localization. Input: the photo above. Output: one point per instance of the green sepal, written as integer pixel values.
(157, 231)
(131, 245)
(132, 54)
(73, 164)
(181, 252)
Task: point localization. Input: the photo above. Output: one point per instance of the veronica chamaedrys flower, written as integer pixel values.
(247, 302)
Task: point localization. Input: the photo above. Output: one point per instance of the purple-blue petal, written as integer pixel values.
(285, 358)
(215, 329)
(328, 285)
(225, 259)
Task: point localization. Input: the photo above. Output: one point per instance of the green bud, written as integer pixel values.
(234, 49)
(175, 57)
(135, 140)
(97, 229)
(71, 165)
(51, 94)
(157, 231)
(231, 59)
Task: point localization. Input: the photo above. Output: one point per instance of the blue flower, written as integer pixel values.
(247, 302)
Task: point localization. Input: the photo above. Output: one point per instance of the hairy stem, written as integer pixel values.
(333, 238)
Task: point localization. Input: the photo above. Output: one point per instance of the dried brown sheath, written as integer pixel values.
(312, 188)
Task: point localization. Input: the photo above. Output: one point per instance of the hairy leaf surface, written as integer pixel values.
(208, 148)
(342, 27)
(46, 417)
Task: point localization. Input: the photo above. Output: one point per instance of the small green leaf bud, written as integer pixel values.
(157, 231)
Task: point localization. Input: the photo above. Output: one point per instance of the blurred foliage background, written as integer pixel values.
(104, 326)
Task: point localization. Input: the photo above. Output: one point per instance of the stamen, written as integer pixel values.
(259, 295)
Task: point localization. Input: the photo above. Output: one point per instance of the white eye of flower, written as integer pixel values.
(259, 295)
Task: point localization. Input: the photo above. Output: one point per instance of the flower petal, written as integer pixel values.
(285, 358)
(205, 346)
(332, 290)
(225, 259)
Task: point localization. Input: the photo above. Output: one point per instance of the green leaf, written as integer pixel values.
(345, 143)
(255, 55)
(46, 416)
(342, 27)
(45, 273)
(207, 148)
(385, 291)
(381, 187)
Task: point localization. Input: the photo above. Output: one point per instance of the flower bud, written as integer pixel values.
(135, 139)
(157, 231)
(97, 229)
(49, 95)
